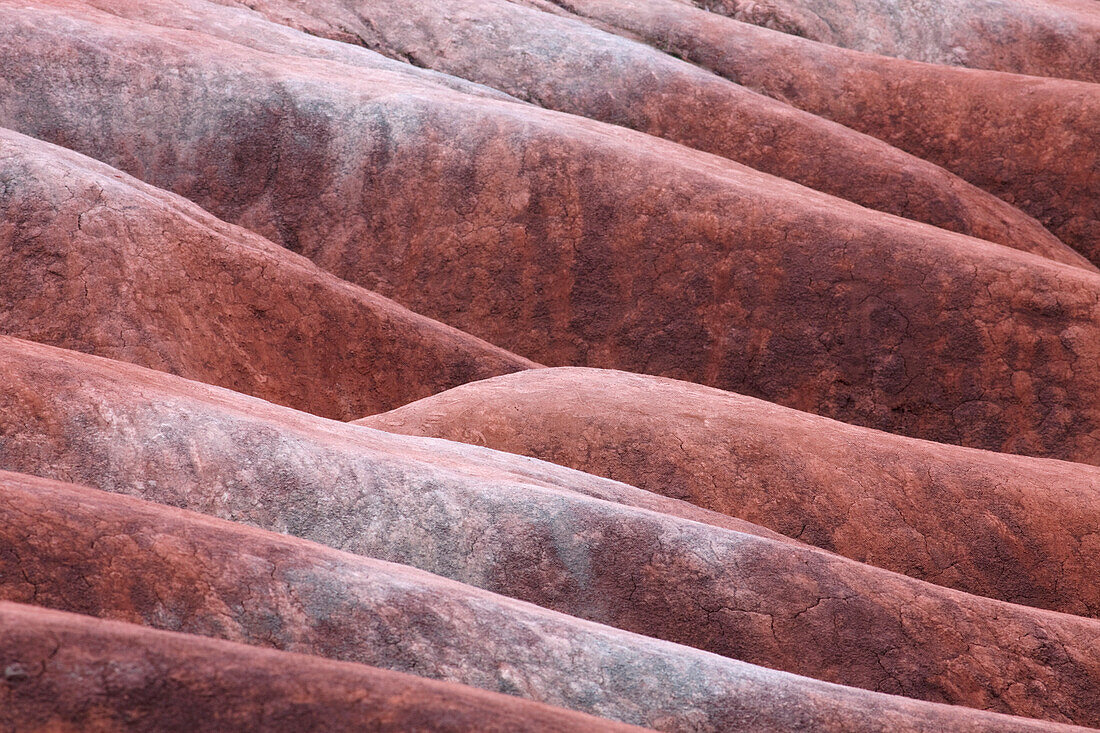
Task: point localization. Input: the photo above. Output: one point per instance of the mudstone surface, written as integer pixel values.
(549, 365)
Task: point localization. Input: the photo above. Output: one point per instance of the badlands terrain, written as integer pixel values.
(549, 365)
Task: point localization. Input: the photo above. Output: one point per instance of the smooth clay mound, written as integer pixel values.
(549, 61)
(66, 672)
(1059, 38)
(477, 365)
(1009, 527)
(574, 242)
(537, 532)
(1033, 142)
(157, 566)
(96, 261)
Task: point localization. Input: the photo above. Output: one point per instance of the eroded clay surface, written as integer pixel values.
(1058, 38)
(566, 64)
(573, 242)
(77, 549)
(99, 262)
(1019, 529)
(532, 531)
(67, 672)
(1033, 142)
(206, 207)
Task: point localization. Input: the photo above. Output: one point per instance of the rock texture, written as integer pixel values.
(1033, 142)
(494, 42)
(530, 228)
(96, 261)
(66, 672)
(119, 558)
(534, 532)
(69, 672)
(1019, 529)
(1059, 38)
(340, 345)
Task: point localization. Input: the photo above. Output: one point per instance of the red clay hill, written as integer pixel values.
(1010, 527)
(99, 262)
(533, 531)
(574, 242)
(549, 366)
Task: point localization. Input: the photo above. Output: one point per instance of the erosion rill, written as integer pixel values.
(549, 365)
